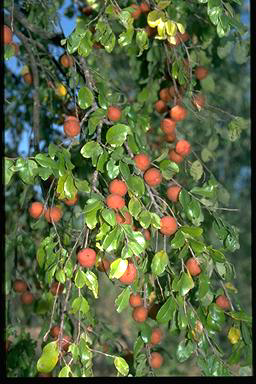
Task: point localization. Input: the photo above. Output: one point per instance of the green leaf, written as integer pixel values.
(178, 240)
(214, 14)
(134, 207)
(168, 169)
(122, 300)
(91, 282)
(8, 172)
(136, 185)
(196, 170)
(43, 160)
(185, 284)
(82, 185)
(121, 365)
(235, 128)
(145, 219)
(167, 310)
(60, 276)
(185, 350)
(28, 172)
(49, 358)
(80, 279)
(142, 40)
(125, 38)
(124, 169)
(110, 241)
(192, 231)
(85, 98)
(116, 135)
(112, 169)
(241, 316)
(69, 187)
(208, 84)
(224, 51)
(138, 345)
(80, 304)
(65, 371)
(40, 256)
(155, 220)
(91, 150)
(117, 268)
(109, 216)
(85, 45)
(159, 263)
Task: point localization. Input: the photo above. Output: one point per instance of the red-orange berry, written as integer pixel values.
(115, 201)
(135, 300)
(103, 265)
(7, 35)
(168, 225)
(53, 214)
(66, 61)
(86, 257)
(193, 266)
(140, 314)
(178, 113)
(71, 126)
(20, 286)
(183, 148)
(153, 177)
(146, 234)
(198, 101)
(36, 209)
(144, 7)
(170, 137)
(156, 336)
(54, 332)
(156, 360)
(28, 78)
(160, 106)
(142, 161)
(130, 274)
(175, 157)
(165, 94)
(114, 113)
(173, 193)
(65, 342)
(137, 11)
(201, 72)
(27, 298)
(71, 202)
(118, 187)
(223, 302)
(168, 126)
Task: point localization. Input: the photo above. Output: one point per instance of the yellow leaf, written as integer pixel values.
(161, 30)
(181, 28)
(171, 28)
(154, 18)
(172, 40)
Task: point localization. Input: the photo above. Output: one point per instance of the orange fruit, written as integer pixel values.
(118, 187)
(170, 137)
(168, 126)
(54, 288)
(146, 234)
(20, 286)
(115, 201)
(222, 302)
(53, 214)
(127, 219)
(36, 209)
(173, 193)
(183, 148)
(142, 161)
(175, 157)
(28, 78)
(54, 332)
(168, 225)
(165, 94)
(114, 113)
(156, 336)
(71, 202)
(135, 300)
(103, 265)
(27, 298)
(178, 113)
(156, 360)
(66, 61)
(160, 106)
(71, 126)
(144, 7)
(137, 11)
(140, 314)
(86, 257)
(130, 274)
(201, 72)
(193, 266)
(153, 177)
(7, 35)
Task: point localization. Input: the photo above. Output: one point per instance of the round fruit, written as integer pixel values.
(168, 225)
(61, 90)
(70, 202)
(146, 233)
(173, 92)
(7, 35)
(20, 286)
(71, 126)
(66, 61)
(28, 78)
(87, 10)
(198, 101)
(135, 300)
(140, 314)
(165, 94)
(54, 332)
(156, 360)
(118, 187)
(127, 219)
(183, 148)
(86, 257)
(103, 265)
(53, 214)
(173, 193)
(193, 266)
(142, 161)
(54, 288)
(114, 113)
(175, 157)
(223, 302)
(27, 298)
(144, 7)
(160, 106)
(115, 201)
(181, 37)
(156, 336)
(36, 209)
(201, 72)
(130, 274)
(153, 177)
(168, 126)
(178, 113)
(170, 138)
(65, 342)
(137, 11)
